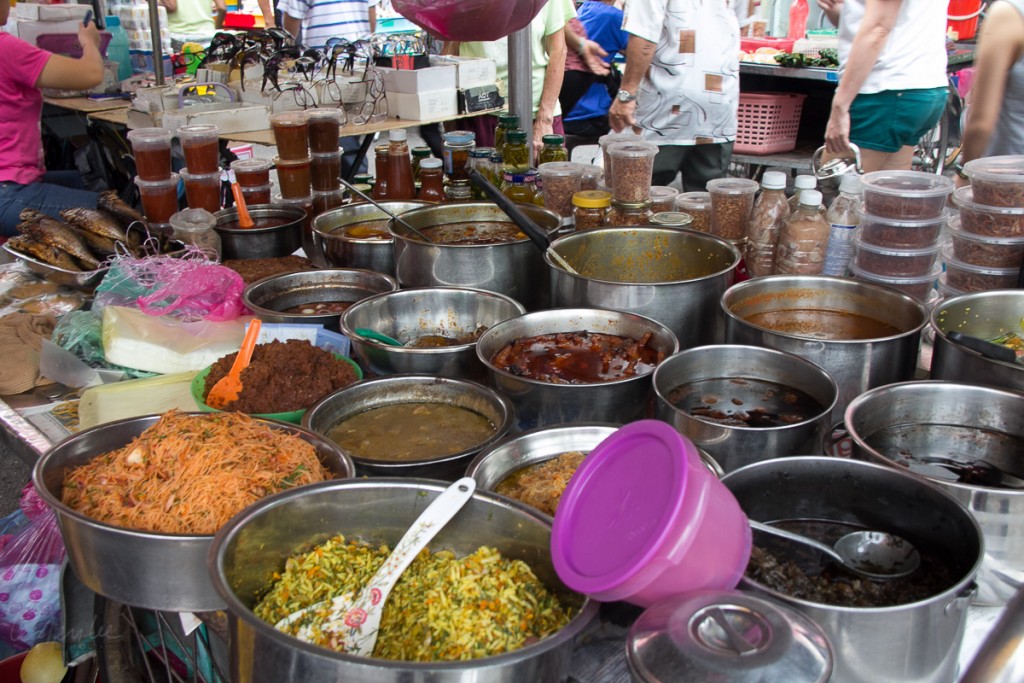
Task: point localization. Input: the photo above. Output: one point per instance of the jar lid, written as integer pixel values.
(362, 177)
(326, 113)
(398, 135)
(560, 168)
(252, 165)
(663, 192)
(727, 636)
(592, 199)
(623, 136)
(421, 151)
(430, 162)
(735, 185)
(279, 162)
(516, 136)
(459, 137)
(694, 200)
(506, 118)
(633, 206)
(632, 149)
(481, 152)
(674, 218)
(552, 139)
(773, 180)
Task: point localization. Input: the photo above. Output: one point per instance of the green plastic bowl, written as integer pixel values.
(292, 416)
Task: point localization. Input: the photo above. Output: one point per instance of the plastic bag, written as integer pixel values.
(469, 20)
(30, 577)
(190, 288)
(81, 333)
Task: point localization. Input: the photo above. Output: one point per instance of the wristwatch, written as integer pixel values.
(958, 168)
(625, 96)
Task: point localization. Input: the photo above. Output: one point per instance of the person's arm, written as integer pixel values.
(1000, 44)
(66, 73)
(169, 5)
(590, 52)
(831, 9)
(639, 53)
(267, 10)
(222, 12)
(879, 19)
(554, 43)
(291, 24)
(372, 11)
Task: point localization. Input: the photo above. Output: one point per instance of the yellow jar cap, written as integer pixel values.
(592, 199)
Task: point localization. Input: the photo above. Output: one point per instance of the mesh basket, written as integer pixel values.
(767, 123)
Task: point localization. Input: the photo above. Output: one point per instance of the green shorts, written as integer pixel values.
(888, 120)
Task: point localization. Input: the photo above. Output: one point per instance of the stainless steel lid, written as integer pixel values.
(727, 636)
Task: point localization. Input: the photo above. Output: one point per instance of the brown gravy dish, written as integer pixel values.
(823, 324)
(578, 357)
(474, 232)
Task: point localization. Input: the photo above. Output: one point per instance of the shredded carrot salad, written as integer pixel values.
(189, 474)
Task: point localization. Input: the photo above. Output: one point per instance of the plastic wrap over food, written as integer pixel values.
(469, 20)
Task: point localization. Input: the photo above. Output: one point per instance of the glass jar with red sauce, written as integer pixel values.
(291, 132)
(252, 172)
(201, 145)
(151, 148)
(293, 176)
(159, 198)
(324, 127)
(202, 190)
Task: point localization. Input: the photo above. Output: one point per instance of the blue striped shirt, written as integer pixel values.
(323, 19)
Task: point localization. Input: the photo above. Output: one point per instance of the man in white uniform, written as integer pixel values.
(681, 86)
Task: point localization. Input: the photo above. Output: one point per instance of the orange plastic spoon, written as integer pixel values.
(227, 388)
(244, 219)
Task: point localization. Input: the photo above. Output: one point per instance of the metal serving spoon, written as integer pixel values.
(353, 622)
(874, 554)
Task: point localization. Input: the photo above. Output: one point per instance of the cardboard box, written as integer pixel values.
(30, 11)
(431, 79)
(472, 72)
(229, 117)
(30, 30)
(424, 105)
(478, 99)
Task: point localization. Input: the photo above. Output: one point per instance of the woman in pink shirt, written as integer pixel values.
(24, 69)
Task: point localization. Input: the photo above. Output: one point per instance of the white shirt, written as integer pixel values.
(323, 19)
(913, 57)
(691, 92)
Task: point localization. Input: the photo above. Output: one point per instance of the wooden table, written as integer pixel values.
(87, 105)
(118, 117)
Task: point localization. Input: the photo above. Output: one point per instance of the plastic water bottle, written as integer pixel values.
(117, 50)
(798, 12)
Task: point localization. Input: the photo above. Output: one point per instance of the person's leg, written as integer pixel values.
(667, 163)
(703, 163)
(70, 179)
(349, 151)
(875, 160)
(431, 134)
(44, 197)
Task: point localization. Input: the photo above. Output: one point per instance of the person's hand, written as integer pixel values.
(829, 5)
(591, 56)
(620, 115)
(89, 35)
(837, 132)
(542, 125)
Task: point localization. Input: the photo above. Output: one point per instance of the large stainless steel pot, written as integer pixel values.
(674, 276)
(272, 242)
(543, 403)
(257, 542)
(981, 314)
(515, 269)
(856, 365)
(382, 391)
(410, 313)
(918, 641)
(339, 250)
(961, 422)
(734, 446)
(140, 568)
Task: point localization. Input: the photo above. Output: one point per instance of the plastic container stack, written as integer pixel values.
(632, 166)
(325, 159)
(986, 248)
(897, 243)
(201, 175)
(151, 148)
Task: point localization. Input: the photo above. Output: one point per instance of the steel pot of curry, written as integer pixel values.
(863, 335)
(675, 276)
(473, 244)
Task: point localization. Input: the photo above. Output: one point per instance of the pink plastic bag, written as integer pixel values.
(469, 20)
(30, 577)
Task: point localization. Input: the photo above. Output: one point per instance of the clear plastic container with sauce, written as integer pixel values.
(590, 208)
(771, 208)
(293, 177)
(399, 172)
(202, 191)
(159, 198)
(324, 129)
(291, 134)
(431, 181)
(151, 148)
(260, 194)
(804, 239)
(327, 200)
(201, 145)
(325, 169)
(457, 145)
(252, 172)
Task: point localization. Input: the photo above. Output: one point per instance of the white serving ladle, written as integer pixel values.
(353, 623)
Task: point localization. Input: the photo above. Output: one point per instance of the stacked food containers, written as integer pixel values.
(898, 240)
(987, 238)
(158, 187)
(201, 175)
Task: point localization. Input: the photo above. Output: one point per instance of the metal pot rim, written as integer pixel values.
(324, 272)
(808, 282)
(968, 298)
(393, 227)
(588, 609)
(256, 211)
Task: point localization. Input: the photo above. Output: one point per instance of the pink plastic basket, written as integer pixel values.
(767, 123)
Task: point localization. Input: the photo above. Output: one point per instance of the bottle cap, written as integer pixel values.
(421, 152)
(508, 119)
(810, 198)
(459, 137)
(774, 180)
(805, 182)
(516, 136)
(552, 139)
(851, 184)
(430, 162)
(397, 135)
(481, 152)
(592, 199)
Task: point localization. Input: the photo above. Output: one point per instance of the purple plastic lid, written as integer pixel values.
(619, 506)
